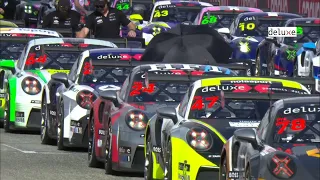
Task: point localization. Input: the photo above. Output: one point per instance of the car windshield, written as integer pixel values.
(55, 56)
(216, 19)
(211, 105)
(98, 72)
(175, 13)
(258, 26)
(298, 123)
(305, 33)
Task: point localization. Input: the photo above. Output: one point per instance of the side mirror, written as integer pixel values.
(169, 113)
(136, 17)
(7, 64)
(247, 135)
(61, 77)
(110, 95)
(309, 45)
(224, 30)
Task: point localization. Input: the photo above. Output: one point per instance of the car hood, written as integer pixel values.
(308, 155)
(45, 74)
(150, 107)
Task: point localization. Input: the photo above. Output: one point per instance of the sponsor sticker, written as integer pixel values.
(234, 174)
(35, 102)
(125, 150)
(2, 95)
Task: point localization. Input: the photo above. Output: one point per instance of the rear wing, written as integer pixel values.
(241, 66)
(127, 42)
(121, 63)
(307, 82)
(263, 96)
(181, 78)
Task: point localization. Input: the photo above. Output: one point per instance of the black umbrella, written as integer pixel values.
(188, 44)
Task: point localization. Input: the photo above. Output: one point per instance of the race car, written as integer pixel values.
(219, 17)
(281, 56)
(250, 28)
(28, 11)
(13, 41)
(24, 84)
(67, 100)
(316, 66)
(185, 142)
(167, 14)
(116, 136)
(284, 146)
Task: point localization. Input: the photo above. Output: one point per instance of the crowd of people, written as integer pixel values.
(104, 22)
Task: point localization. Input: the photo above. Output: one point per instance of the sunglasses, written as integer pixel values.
(99, 6)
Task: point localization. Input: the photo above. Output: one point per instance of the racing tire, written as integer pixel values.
(6, 120)
(168, 162)
(223, 169)
(92, 158)
(148, 165)
(60, 125)
(108, 150)
(45, 138)
(248, 174)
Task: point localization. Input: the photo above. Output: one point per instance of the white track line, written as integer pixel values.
(20, 150)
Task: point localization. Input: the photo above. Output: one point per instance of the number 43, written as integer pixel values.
(158, 13)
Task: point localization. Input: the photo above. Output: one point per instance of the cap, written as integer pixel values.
(64, 3)
(100, 2)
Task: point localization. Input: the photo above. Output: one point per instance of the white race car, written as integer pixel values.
(316, 66)
(40, 58)
(68, 99)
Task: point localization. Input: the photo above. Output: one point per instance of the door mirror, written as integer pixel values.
(168, 113)
(224, 30)
(247, 135)
(309, 45)
(110, 95)
(61, 77)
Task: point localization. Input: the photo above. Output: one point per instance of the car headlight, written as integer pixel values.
(282, 166)
(31, 85)
(137, 120)
(199, 139)
(28, 9)
(85, 99)
(244, 47)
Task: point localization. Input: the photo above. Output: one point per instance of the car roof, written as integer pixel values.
(301, 100)
(275, 14)
(301, 20)
(240, 8)
(177, 2)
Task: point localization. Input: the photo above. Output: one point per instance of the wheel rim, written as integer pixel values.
(147, 160)
(91, 141)
(6, 110)
(108, 144)
(44, 110)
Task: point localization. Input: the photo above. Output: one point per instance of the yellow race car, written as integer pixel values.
(186, 142)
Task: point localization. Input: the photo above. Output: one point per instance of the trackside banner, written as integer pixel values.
(310, 8)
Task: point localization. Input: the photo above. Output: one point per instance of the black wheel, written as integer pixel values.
(248, 174)
(168, 162)
(92, 158)
(60, 126)
(223, 169)
(6, 120)
(148, 165)
(270, 66)
(45, 138)
(108, 151)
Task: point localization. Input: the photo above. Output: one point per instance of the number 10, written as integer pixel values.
(249, 26)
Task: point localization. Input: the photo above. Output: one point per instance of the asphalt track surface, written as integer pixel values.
(23, 157)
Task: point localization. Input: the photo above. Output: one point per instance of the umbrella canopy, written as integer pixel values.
(188, 44)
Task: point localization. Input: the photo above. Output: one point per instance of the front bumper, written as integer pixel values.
(191, 164)
(27, 113)
(135, 159)
(78, 133)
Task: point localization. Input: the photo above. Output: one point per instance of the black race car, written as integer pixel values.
(284, 146)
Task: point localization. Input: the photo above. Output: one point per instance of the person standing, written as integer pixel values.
(105, 22)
